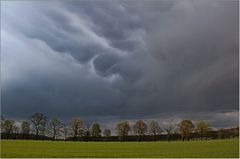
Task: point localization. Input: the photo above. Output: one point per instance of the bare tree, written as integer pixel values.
(86, 132)
(2, 122)
(43, 126)
(202, 128)
(107, 133)
(140, 128)
(123, 129)
(64, 131)
(95, 130)
(39, 122)
(55, 126)
(15, 129)
(76, 124)
(169, 131)
(25, 127)
(185, 128)
(154, 129)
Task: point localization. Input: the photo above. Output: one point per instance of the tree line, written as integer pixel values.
(38, 127)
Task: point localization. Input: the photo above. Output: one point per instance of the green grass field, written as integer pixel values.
(210, 148)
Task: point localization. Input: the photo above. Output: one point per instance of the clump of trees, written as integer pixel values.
(9, 127)
(38, 127)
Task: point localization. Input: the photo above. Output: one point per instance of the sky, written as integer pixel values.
(109, 61)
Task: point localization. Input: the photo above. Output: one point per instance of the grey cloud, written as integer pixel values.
(104, 62)
(119, 58)
(58, 29)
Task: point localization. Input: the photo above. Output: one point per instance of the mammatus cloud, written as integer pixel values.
(124, 60)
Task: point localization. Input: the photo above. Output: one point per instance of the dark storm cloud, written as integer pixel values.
(119, 58)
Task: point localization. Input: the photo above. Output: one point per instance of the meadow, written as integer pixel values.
(207, 148)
